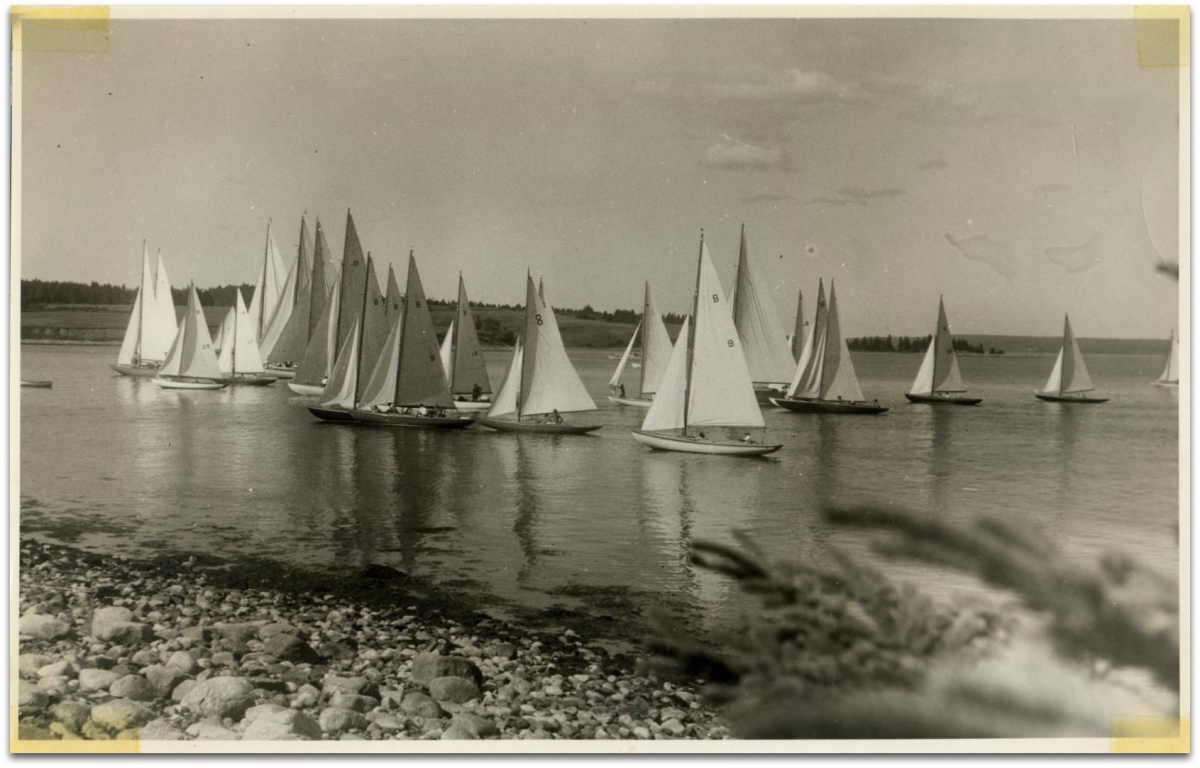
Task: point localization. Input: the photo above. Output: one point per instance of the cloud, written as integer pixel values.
(733, 155)
(936, 164)
(994, 253)
(857, 196)
(1078, 258)
(768, 197)
(1053, 187)
(749, 83)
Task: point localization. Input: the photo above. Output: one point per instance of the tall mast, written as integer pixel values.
(141, 304)
(737, 275)
(457, 322)
(400, 350)
(937, 346)
(645, 330)
(262, 300)
(233, 350)
(528, 309)
(691, 341)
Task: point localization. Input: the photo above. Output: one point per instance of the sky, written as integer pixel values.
(1019, 169)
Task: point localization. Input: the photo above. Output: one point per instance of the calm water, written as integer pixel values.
(248, 471)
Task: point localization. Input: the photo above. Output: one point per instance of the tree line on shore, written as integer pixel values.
(913, 344)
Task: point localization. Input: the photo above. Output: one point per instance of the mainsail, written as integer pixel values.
(381, 387)
(373, 329)
(759, 329)
(239, 352)
(321, 352)
(419, 376)
(394, 300)
(798, 340)
(801, 381)
(656, 345)
(158, 336)
(548, 380)
(1070, 374)
(191, 354)
(288, 331)
(353, 282)
(467, 367)
(720, 392)
(268, 289)
(616, 377)
(1170, 374)
(136, 343)
(831, 371)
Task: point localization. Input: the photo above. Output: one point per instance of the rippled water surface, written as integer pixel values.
(521, 520)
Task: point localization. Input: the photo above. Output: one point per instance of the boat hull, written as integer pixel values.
(828, 406)
(280, 373)
(942, 399)
(472, 405)
(335, 413)
(634, 401)
(134, 370)
(535, 428)
(683, 444)
(174, 383)
(38, 384)
(412, 422)
(248, 381)
(1070, 399)
(763, 393)
(308, 390)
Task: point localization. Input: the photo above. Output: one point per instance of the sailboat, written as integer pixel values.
(768, 356)
(358, 358)
(268, 290)
(827, 383)
(1170, 374)
(408, 387)
(548, 384)
(291, 329)
(152, 324)
(706, 383)
(462, 359)
(656, 350)
(191, 363)
(939, 381)
(239, 360)
(1069, 381)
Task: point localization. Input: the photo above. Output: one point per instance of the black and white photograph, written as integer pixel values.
(607, 379)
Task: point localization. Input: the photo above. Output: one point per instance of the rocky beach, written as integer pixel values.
(180, 648)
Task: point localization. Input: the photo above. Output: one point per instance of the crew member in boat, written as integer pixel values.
(622, 390)
(554, 417)
(476, 393)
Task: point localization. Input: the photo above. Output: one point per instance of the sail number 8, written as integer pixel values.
(716, 298)
(539, 319)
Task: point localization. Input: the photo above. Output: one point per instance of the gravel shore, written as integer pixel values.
(115, 648)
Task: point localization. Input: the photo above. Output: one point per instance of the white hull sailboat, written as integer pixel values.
(706, 384)
(191, 363)
(365, 345)
(541, 384)
(407, 387)
(462, 359)
(825, 382)
(152, 324)
(1069, 381)
(939, 381)
(239, 360)
(655, 351)
(768, 356)
(1170, 374)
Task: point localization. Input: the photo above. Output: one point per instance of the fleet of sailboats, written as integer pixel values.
(827, 383)
(1069, 381)
(939, 380)
(706, 384)
(191, 362)
(152, 324)
(547, 385)
(655, 352)
(1170, 374)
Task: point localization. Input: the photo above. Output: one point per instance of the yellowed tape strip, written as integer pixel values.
(17, 745)
(1140, 735)
(61, 29)
(1163, 35)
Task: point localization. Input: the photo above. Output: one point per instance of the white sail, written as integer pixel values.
(803, 381)
(838, 380)
(616, 377)
(759, 329)
(129, 345)
(191, 354)
(505, 402)
(923, 384)
(420, 379)
(468, 369)
(1170, 374)
(446, 353)
(381, 386)
(548, 380)
(159, 323)
(1075, 376)
(667, 410)
(320, 353)
(946, 376)
(344, 377)
(280, 315)
(246, 358)
(227, 323)
(721, 392)
(1054, 383)
(656, 346)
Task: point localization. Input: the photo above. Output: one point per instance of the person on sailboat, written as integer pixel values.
(476, 393)
(554, 417)
(622, 390)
